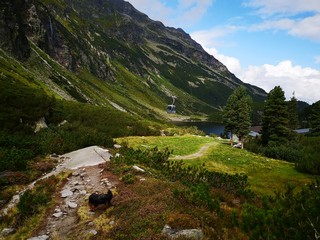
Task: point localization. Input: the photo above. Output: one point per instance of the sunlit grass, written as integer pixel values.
(179, 145)
(265, 175)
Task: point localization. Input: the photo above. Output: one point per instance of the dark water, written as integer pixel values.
(207, 127)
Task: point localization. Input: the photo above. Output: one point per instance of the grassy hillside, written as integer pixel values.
(119, 58)
(265, 175)
(184, 195)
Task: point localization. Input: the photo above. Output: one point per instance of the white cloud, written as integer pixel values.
(286, 7)
(308, 27)
(233, 64)
(299, 18)
(186, 13)
(305, 82)
(155, 9)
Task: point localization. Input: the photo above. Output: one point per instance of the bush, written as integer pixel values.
(310, 161)
(285, 216)
(199, 195)
(33, 200)
(303, 151)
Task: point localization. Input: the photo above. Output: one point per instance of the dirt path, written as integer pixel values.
(89, 156)
(203, 150)
(88, 175)
(71, 217)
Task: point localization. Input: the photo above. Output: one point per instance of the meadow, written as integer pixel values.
(266, 176)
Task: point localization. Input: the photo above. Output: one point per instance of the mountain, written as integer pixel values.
(105, 52)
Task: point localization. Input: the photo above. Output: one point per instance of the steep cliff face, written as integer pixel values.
(107, 52)
(12, 28)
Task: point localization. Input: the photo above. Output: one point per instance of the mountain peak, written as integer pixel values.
(107, 52)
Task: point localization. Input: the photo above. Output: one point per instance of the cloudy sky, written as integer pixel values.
(263, 42)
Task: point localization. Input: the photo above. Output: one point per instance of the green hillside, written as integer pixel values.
(109, 54)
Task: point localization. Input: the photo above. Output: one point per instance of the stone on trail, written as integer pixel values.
(66, 193)
(57, 214)
(42, 237)
(72, 205)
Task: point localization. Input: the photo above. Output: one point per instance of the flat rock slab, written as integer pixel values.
(89, 156)
(66, 193)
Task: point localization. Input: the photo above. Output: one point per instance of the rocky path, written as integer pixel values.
(88, 175)
(72, 211)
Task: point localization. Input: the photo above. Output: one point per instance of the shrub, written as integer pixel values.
(285, 216)
(128, 178)
(32, 200)
(199, 195)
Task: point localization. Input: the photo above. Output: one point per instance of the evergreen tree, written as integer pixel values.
(275, 119)
(314, 118)
(293, 120)
(237, 113)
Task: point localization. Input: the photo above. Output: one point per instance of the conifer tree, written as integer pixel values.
(237, 114)
(275, 120)
(314, 118)
(293, 120)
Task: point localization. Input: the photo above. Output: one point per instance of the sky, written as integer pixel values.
(266, 43)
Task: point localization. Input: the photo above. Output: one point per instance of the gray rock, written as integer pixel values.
(83, 192)
(93, 232)
(75, 183)
(66, 193)
(42, 237)
(195, 234)
(7, 231)
(57, 214)
(40, 124)
(72, 204)
(90, 224)
(57, 210)
(138, 168)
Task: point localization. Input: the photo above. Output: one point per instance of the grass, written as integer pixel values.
(266, 175)
(179, 145)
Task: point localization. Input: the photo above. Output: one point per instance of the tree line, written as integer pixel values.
(278, 138)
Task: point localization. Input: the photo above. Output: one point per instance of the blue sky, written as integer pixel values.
(264, 42)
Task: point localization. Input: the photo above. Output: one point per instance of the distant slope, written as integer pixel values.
(105, 52)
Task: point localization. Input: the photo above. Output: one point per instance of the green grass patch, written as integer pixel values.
(266, 175)
(179, 145)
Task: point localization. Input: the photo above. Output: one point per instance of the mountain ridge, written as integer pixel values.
(106, 52)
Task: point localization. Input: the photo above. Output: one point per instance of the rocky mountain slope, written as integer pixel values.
(105, 52)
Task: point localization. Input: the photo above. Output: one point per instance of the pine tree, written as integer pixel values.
(314, 119)
(275, 120)
(293, 120)
(237, 114)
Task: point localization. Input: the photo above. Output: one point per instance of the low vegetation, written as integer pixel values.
(70, 126)
(183, 197)
(265, 175)
(32, 207)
